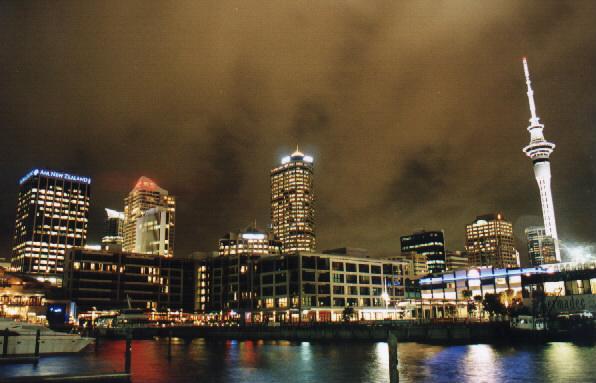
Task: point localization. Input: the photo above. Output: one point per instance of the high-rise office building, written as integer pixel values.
(292, 203)
(456, 260)
(489, 242)
(541, 247)
(149, 217)
(153, 230)
(52, 216)
(114, 226)
(418, 262)
(429, 243)
(539, 150)
(234, 277)
(250, 241)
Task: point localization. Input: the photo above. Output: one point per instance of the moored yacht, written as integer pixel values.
(21, 339)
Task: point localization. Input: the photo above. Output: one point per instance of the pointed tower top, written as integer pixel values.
(534, 120)
(297, 152)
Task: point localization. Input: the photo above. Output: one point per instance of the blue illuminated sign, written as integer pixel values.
(55, 174)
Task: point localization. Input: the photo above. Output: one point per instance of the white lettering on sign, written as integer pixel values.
(55, 174)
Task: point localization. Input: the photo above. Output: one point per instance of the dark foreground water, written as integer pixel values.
(301, 362)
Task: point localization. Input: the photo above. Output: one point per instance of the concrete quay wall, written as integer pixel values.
(429, 333)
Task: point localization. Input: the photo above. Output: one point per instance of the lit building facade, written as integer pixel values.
(541, 247)
(539, 150)
(114, 227)
(292, 203)
(456, 260)
(429, 243)
(109, 279)
(309, 287)
(418, 262)
(318, 287)
(233, 273)
(563, 287)
(153, 229)
(489, 242)
(251, 241)
(52, 216)
(155, 225)
(21, 296)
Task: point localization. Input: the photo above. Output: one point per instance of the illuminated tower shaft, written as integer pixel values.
(292, 203)
(539, 150)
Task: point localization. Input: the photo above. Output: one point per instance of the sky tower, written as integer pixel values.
(539, 150)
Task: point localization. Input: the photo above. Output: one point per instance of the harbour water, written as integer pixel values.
(202, 360)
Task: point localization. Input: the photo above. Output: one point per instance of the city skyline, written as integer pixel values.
(396, 136)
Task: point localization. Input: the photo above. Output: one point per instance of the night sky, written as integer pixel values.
(415, 112)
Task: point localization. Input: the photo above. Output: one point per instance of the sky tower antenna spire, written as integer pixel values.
(534, 120)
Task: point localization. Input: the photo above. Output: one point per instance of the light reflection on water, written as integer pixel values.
(305, 362)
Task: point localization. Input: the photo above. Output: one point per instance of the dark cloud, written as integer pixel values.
(310, 119)
(415, 111)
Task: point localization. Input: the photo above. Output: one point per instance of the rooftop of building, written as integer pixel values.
(147, 184)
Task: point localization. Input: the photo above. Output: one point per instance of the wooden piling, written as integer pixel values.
(5, 343)
(393, 372)
(170, 344)
(37, 339)
(128, 352)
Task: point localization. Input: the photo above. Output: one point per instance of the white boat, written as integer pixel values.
(21, 339)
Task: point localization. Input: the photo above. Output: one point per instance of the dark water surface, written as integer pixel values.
(300, 362)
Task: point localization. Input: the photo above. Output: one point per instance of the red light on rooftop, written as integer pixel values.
(145, 183)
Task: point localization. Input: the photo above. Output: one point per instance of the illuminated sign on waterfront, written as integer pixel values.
(55, 174)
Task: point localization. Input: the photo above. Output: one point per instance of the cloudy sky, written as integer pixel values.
(415, 111)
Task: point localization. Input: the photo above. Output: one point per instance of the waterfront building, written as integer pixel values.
(149, 219)
(110, 279)
(429, 243)
(456, 260)
(489, 242)
(318, 287)
(541, 247)
(233, 274)
(559, 288)
(114, 226)
(52, 216)
(305, 287)
(21, 296)
(539, 150)
(418, 262)
(292, 203)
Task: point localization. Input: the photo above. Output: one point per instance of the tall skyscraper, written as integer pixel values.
(52, 216)
(489, 242)
(541, 247)
(153, 229)
(114, 226)
(149, 213)
(429, 243)
(539, 150)
(292, 203)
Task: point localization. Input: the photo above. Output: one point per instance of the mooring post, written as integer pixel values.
(128, 352)
(37, 339)
(5, 343)
(392, 343)
(170, 344)
(96, 334)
